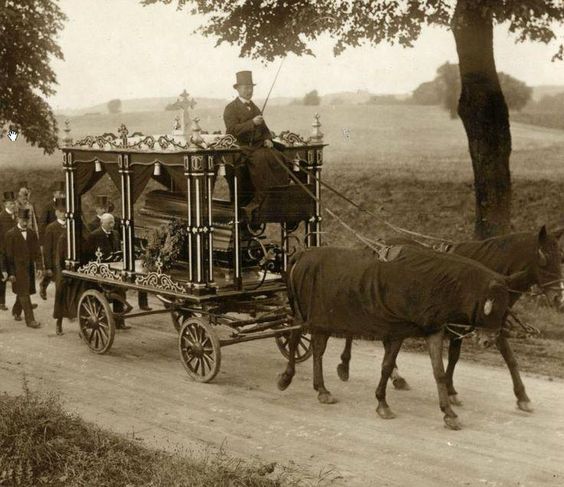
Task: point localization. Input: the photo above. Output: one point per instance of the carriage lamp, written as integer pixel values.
(221, 170)
(296, 164)
(157, 170)
(98, 166)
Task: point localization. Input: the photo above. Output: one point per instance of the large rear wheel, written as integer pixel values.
(96, 321)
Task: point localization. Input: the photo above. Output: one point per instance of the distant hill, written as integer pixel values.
(156, 104)
(544, 90)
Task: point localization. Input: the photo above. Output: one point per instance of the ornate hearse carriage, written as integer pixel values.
(229, 271)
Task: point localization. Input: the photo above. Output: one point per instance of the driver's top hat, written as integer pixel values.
(244, 78)
(9, 196)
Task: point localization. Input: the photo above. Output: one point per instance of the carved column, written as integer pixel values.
(197, 225)
(125, 171)
(74, 222)
(209, 199)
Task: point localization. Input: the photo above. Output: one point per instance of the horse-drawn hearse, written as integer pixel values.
(229, 265)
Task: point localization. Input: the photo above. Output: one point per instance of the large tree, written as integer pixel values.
(28, 31)
(273, 28)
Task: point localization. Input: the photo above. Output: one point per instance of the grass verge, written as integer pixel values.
(41, 444)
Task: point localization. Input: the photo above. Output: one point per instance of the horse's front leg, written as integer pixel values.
(435, 343)
(319, 343)
(454, 346)
(523, 401)
(285, 378)
(391, 349)
(343, 367)
(397, 380)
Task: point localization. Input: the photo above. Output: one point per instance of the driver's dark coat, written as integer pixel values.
(351, 292)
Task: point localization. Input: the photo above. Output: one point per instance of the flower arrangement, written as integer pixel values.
(165, 244)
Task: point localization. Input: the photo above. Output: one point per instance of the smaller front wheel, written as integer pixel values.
(200, 350)
(303, 350)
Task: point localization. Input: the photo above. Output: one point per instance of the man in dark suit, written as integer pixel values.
(50, 238)
(22, 253)
(104, 239)
(7, 221)
(243, 120)
(104, 243)
(48, 215)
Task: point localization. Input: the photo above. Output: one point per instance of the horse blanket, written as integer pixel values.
(350, 292)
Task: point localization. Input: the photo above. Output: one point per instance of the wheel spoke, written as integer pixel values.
(91, 335)
(193, 334)
(88, 307)
(202, 366)
(97, 341)
(208, 360)
(103, 333)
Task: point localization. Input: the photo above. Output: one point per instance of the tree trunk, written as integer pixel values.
(484, 114)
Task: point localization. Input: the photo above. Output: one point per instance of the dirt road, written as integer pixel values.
(140, 388)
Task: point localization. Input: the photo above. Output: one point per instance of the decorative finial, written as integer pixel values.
(316, 135)
(123, 132)
(98, 255)
(159, 265)
(196, 132)
(67, 140)
(176, 125)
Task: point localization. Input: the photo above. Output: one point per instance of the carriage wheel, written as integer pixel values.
(199, 349)
(303, 351)
(96, 321)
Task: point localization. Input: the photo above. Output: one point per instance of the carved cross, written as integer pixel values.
(185, 102)
(123, 133)
(159, 265)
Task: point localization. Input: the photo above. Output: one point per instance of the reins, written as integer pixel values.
(396, 228)
(459, 336)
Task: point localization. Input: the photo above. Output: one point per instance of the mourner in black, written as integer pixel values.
(243, 120)
(103, 239)
(7, 221)
(50, 239)
(48, 214)
(104, 243)
(22, 253)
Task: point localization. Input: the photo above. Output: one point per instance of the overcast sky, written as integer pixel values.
(119, 49)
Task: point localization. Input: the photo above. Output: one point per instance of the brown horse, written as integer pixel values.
(414, 293)
(539, 254)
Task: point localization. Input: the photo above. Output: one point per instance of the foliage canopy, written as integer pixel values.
(272, 28)
(28, 31)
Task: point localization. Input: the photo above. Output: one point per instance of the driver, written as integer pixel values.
(243, 120)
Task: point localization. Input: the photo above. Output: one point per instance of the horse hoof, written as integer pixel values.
(525, 406)
(343, 372)
(453, 423)
(454, 400)
(385, 412)
(401, 384)
(326, 398)
(284, 380)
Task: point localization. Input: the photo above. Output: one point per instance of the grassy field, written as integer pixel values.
(410, 160)
(408, 163)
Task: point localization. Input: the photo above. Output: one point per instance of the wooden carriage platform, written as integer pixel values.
(230, 269)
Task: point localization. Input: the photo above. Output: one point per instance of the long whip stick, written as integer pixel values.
(272, 86)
